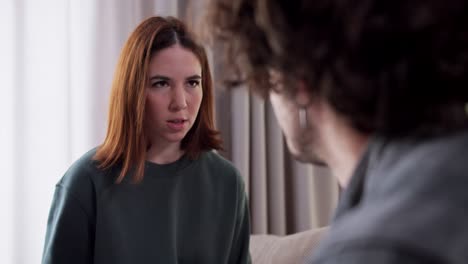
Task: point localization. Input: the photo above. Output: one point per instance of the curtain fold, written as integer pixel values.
(276, 175)
(7, 129)
(258, 166)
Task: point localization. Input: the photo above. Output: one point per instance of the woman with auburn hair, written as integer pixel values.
(154, 191)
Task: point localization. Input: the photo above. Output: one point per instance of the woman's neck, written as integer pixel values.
(163, 154)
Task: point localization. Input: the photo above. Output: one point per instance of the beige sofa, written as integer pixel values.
(291, 249)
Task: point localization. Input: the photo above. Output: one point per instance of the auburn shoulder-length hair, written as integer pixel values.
(126, 141)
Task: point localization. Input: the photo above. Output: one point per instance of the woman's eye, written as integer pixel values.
(194, 83)
(159, 84)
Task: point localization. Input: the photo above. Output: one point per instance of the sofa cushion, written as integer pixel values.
(290, 249)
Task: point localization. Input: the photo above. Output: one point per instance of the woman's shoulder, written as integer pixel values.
(218, 162)
(221, 167)
(82, 174)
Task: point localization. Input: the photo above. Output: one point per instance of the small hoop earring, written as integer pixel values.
(303, 118)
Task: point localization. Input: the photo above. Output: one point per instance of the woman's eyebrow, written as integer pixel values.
(196, 76)
(160, 77)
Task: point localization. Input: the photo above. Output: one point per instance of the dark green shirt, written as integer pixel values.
(189, 211)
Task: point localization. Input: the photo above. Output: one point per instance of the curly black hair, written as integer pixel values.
(390, 67)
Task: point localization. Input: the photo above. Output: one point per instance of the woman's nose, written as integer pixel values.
(178, 100)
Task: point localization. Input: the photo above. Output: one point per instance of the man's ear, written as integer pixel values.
(302, 96)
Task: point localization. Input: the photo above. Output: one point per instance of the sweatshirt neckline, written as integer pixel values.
(168, 169)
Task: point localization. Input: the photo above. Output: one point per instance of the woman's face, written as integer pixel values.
(173, 94)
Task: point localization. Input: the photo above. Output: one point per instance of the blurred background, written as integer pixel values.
(57, 59)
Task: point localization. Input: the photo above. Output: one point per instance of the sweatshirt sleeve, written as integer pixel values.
(240, 251)
(69, 237)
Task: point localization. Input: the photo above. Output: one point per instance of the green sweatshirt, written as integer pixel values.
(189, 211)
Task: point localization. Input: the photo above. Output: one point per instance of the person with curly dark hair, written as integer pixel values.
(378, 91)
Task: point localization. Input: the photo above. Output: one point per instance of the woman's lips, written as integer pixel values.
(177, 124)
